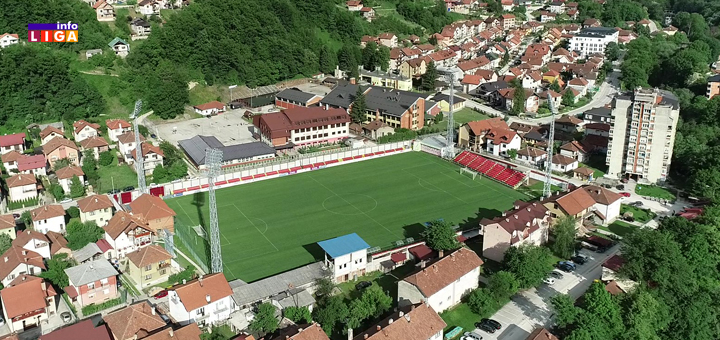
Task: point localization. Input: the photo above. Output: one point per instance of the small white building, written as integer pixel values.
(66, 174)
(499, 141)
(49, 133)
(442, 284)
(32, 165)
(206, 301)
(14, 142)
(21, 187)
(83, 130)
(17, 261)
(209, 109)
(33, 241)
(527, 223)
(8, 39)
(96, 208)
(120, 47)
(126, 233)
(117, 127)
(126, 144)
(562, 163)
(593, 40)
(346, 255)
(49, 218)
(10, 161)
(532, 156)
(607, 202)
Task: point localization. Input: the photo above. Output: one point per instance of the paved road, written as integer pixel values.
(531, 309)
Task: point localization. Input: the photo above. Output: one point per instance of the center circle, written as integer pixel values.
(350, 204)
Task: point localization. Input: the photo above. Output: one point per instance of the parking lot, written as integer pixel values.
(229, 128)
(531, 309)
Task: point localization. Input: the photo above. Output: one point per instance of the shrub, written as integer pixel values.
(73, 212)
(106, 158)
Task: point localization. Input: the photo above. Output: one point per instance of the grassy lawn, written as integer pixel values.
(618, 228)
(597, 163)
(597, 173)
(108, 86)
(273, 226)
(654, 191)
(461, 316)
(463, 116)
(224, 331)
(118, 176)
(386, 281)
(640, 215)
(536, 190)
(327, 40)
(201, 94)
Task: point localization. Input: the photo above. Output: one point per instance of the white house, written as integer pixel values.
(526, 223)
(593, 40)
(50, 132)
(117, 127)
(532, 156)
(12, 142)
(209, 109)
(120, 47)
(32, 165)
(83, 130)
(66, 174)
(126, 233)
(17, 261)
(21, 187)
(206, 301)
(126, 144)
(10, 161)
(8, 39)
(575, 150)
(152, 157)
(96, 208)
(607, 202)
(562, 163)
(49, 218)
(33, 241)
(346, 255)
(499, 141)
(442, 284)
(414, 322)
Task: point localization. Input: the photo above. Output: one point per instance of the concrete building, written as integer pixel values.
(17, 261)
(21, 187)
(136, 321)
(713, 86)
(96, 208)
(302, 126)
(593, 40)
(195, 148)
(126, 233)
(92, 282)
(642, 135)
(527, 223)
(346, 255)
(415, 322)
(66, 175)
(206, 301)
(117, 127)
(49, 218)
(154, 211)
(149, 265)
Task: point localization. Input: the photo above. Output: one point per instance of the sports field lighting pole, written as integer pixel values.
(139, 166)
(231, 87)
(547, 189)
(450, 154)
(213, 159)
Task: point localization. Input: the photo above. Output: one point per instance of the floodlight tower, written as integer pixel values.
(547, 189)
(450, 153)
(139, 166)
(213, 158)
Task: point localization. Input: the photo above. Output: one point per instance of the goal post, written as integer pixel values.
(468, 171)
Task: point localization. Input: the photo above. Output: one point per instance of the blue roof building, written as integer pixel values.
(346, 255)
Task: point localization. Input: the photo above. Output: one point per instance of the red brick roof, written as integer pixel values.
(31, 162)
(576, 201)
(81, 124)
(139, 319)
(211, 105)
(445, 271)
(417, 322)
(49, 130)
(20, 180)
(26, 297)
(195, 293)
(14, 139)
(69, 171)
(480, 127)
(541, 334)
(83, 330)
(114, 124)
(519, 221)
(150, 207)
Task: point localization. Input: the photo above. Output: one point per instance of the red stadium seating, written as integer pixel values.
(490, 168)
(495, 170)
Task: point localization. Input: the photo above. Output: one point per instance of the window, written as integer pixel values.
(201, 311)
(104, 281)
(148, 267)
(106, 291)
(91, 285)
(148, 277)
(90, 296)
(162, 272)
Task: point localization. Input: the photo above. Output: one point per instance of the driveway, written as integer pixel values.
(531, 309)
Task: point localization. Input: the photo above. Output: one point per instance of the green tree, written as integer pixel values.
(323, 289)
(633, 74)
(440, 236)
(57, 191)
(530, 264)
(187, 274)
(265, 320)
(518, 100)
(77, 189)
(358, 108)
(347, 58)
(612, 51)
(61, 163)
(5, 242)
(167, 91)
(439, 118)
(482, 302)
(555, 86)
(80, 234)
(502, 286)
(568, 98)
(178, 170)
(429, 78)
(565, 311)
(327, 60)
(73, 212)
(505, 59)
(512, 153)
(332, 313)
(646, 316)
(298, 315)
(107, 158)
(26, 218)
(55, 272)
(159, 174)
(565, 232)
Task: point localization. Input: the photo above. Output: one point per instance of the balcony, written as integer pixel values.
(164, 265)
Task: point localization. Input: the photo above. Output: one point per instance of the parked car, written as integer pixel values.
(579, 259)
(471, 336)
(362, 285)
(625, 194)
(566, 268)
(485, 327)
(620, 187)
(130, 188)
(637, 204)
(153, 136)
(114, 191)
(556, 274)
(549, 281)
(163, 293)
(66, 317)
(490, 322)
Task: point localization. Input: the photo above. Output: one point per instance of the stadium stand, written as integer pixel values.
(490, 169)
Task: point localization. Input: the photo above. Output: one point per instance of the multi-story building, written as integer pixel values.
(527, 223)
(414, 322)
(92, 282)
(593, 40)
(154, 211)
(302, 126)
(642, 134)
(149, 265)
(346, 255)
(48, 218)
(27, 302)
(117, 127)
(14, 142)
(152, 157)
(96, 208)
(206, 301)
(713, 86)
(126, 233)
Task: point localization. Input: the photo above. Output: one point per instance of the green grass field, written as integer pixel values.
(272, 226)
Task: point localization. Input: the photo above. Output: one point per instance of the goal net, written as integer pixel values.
(468, 171)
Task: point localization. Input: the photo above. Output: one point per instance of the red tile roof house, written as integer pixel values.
(49, 133)
(209, 109)
(82, 130)
(152, 157)
(354, 6)
(443, 283)
(125, 234)
(416, 322)
(472, 134)
(532, 156)
(32, 165)
(92, 282)
(27, 302)
(134, 322)
(48, 218)
(154, 211)
(10, 161)
(61, 148)
(526, 223)
(17, 261)
(83, 330)
(8, 225)
(302, 126)
(66, 174)
(126, 144)
(12, 142)
(500, 141)
(575, 150)
(21, 187)
(96, 144)
(117, 127)
(207, 300)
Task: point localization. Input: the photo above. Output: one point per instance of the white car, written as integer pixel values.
(471, 336)
(549, 281)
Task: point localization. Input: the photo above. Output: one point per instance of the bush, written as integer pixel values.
(93, 308)
(481, 302)
(106, 158)
(58, 192)
(187, 274)
(73, 212)
(298, 315)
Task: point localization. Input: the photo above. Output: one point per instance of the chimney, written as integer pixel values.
(200, 280)
(365, 336)
(503, 214)
(516, 217)
(6, 258)
(350, 333)
(422, 263)
(207, 298)
(441, 253)
(96, 200)
(152, 310)
(24, 252)
(172, 333)
(401, 314)
(390, 322)
(352, 81)
(378, 327)
(184, 281)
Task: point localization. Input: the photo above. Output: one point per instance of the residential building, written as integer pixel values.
(586, 203)
(541, 334)
(472, 134)
(312, 331)
(10, 161)
(125, 234)
(526, 223)
(607, 202)
(152, 157)
(14, 142)
(83, 330)
(27, 302)
(562, 163)
(584, 174)
(149, 265)
(8, 39)
(368, 13)
(413, 68)
(346, 255)
(33, 241)
(598, 115)
(136, 321)
(96, 144)
(90, 252)
(235, 154)
(92, 282)
(499, 142)
(354, 6)
(83, 130)
(49, 133)
(154, 211)
(386, 79)
(302, 127)
(147, 7)
(206, 301)
(597, 129)
(17, 261)
(8, 225)
(120, 47)
(388, 39)
(140, 27)
(593, 40)
(117, 127)
(61, 148)
(507, 99)
(210, 109)
(575, 150)
(532, 156)
(58, 244)
(66, 174)
(642, 135)
(126, 144)
(713, 86)
(443, 283)
(48, 218)
(444, 101)
(32, 165)
(97, 208)
(569, 124)
(187, 332)
(377, 129)
(414, 322)
(21, 187)
(104, 11)
(507, 21)
(293, 97)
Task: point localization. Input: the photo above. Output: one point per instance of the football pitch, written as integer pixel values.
(272, 226)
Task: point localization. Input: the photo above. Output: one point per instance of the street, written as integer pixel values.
(531, 309)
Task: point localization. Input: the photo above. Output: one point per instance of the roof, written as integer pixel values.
(422, 252)
(601, 195)
(531, 152)
(129, 137)
(123, 222)
(11, 156)
(519, 222)
(14, 139)
(295, 95)
(541, 334)
(140, 22)
(115, 124)
(49, 130)
(614, 263)
(139, 319)
(195, 148)
(149, 255)
(573, 146)
(578, 82)
(592, 32)
(83, 330)
(444, 97)
(189, 332)
(150, 207)
(27, 235)
(87, 252)
(116, 40)
(248, 293)
(69, 171)
(148, 148)
(94, 202)
(47, 211)
(600, 111)
(15, 256)
(714, 79)
(20, 180)
(93, 142)
(444, 271)
(597, 126)
(343, 245)
(31, 162)
(280, 123)
(9, 34)
(415, 322)
(569, 120)
(295, 332)
(7, 221)
(92, 271)
(480, 127)
(575, 201)
(196, 293)
(26, 297)
(57, 242)
(81, 124)
(56, 143)
(498, 136)
(104, 245)
(375, 125)
(211, 105)
(584, 171)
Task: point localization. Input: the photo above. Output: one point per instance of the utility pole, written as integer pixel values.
(547, 189)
